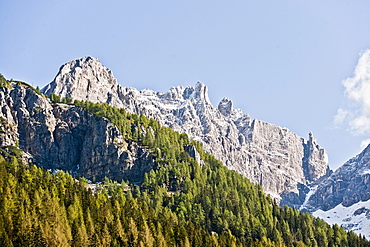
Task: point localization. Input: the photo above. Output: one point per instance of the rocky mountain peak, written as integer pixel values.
(267, 154)
(84, 79)
(315, 161)
(225, 106)
(364, 156)
(310, 136)
(201, 92)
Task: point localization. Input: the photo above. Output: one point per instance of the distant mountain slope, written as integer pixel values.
(189, 198)
(354, 218)
(344, 196)
(184, 196)
(278, 159)
(348, 185)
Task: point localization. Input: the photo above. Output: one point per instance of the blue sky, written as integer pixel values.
(282, 61)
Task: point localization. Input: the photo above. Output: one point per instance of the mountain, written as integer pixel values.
(344, 196)
(188, 199)
(354, 218)
(283, 163)
(61, 136)
(348, 185)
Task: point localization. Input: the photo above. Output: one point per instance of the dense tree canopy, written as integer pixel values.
(182, 203)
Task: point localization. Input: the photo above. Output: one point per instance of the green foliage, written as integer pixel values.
(164, 143)
(57, 99)
(220, 208)
(4, 82)
(13, 151)
(7, 83)
(182, 203)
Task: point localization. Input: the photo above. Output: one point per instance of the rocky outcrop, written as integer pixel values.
(343, 198)
(348, 185)
(192, 151)
(86, 74)
(282, 162)
(59, 136)
(315, 160)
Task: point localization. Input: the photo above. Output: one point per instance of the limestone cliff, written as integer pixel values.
(282, 162)
(59, 136)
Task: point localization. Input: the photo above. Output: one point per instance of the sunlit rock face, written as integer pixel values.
(276, 158)
(59, 136)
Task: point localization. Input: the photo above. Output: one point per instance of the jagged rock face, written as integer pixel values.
(343, 198)
(8, 128)
(59, 136)
(267, 154)
(225, 106)
(315, 160)
(192, 151)
(348, 185)
(85, 75)
(275, 155)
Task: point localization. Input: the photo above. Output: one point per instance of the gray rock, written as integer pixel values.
(362, 210)
(59, 136)
(192, 151)
(8, 127)
(315, 160)
(225, 106)
(348, 185)
(272, 156)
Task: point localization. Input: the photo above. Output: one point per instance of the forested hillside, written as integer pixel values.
(182, 203)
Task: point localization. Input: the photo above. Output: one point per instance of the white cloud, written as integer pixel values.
(365, 143)
(341, 116)
(357, 91)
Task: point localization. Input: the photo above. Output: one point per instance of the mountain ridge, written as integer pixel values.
(27, 117)
(344, 196)
(349, 184)
(276, 158)
(60, 136)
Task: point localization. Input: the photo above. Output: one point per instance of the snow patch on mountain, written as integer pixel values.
(353, 218)
(312, 191)
(348, 185)
(365, 172)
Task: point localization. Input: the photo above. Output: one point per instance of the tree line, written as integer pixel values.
(182, 203)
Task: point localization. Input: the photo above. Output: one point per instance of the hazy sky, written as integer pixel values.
(289, 62)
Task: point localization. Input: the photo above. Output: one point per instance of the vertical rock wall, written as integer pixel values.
(59, 136)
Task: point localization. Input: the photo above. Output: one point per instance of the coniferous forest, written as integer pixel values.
(182, 203)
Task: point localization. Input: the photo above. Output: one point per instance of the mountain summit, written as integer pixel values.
(85, 79)
(283, 163)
